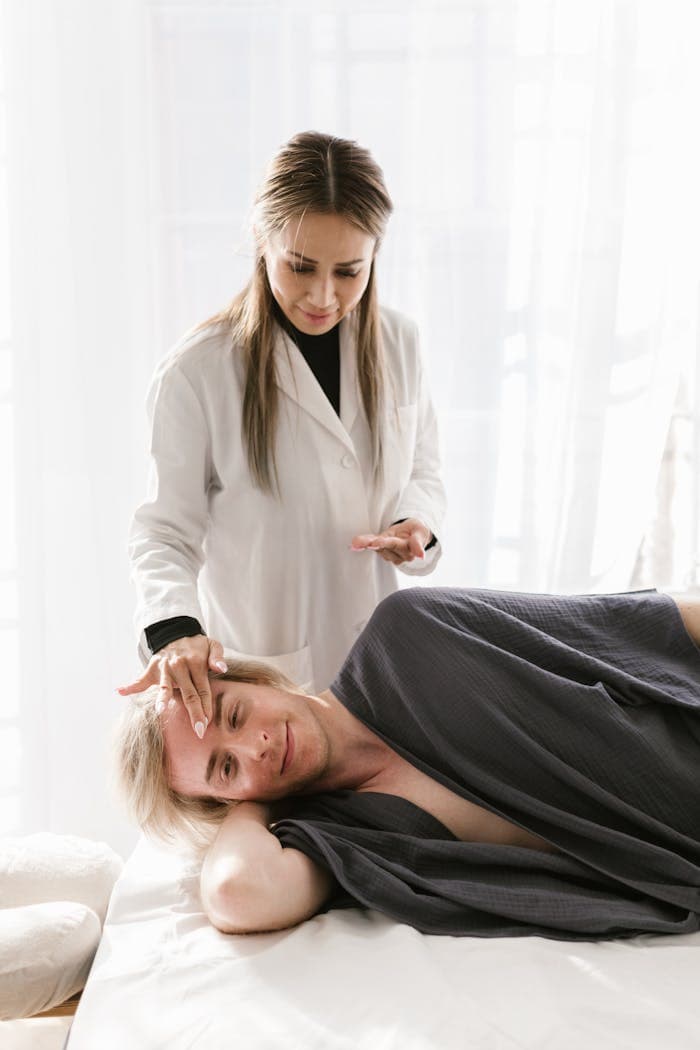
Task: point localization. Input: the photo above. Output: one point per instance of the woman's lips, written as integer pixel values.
(316, 318)
(289, 753)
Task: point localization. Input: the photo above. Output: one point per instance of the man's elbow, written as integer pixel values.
(234, 905)
(228, 914)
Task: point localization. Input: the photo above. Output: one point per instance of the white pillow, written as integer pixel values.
(46, 951)
(35, 869)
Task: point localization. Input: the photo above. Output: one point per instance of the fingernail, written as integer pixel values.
(160, 707)
(199, 729)
(120, 689)
(222, 665)
(172, 702)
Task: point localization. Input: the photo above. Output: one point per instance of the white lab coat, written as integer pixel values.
(268, 577)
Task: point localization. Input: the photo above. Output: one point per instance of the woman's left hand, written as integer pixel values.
(399, 543)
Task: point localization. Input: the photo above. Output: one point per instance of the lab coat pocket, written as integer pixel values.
(400, 445)
(297, 666)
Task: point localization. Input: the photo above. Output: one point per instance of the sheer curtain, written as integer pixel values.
(543, 163)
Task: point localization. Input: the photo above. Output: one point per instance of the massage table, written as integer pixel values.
(354, 980)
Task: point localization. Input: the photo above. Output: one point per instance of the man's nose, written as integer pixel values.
(256, 745)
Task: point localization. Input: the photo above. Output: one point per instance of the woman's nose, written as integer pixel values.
(322, 293)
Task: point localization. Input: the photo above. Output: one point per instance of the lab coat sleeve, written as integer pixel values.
(424, 495)
(167, 532)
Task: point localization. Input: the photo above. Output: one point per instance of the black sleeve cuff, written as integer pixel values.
(158, 635)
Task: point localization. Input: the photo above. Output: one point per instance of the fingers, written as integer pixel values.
(415, 545)
(362, 543)
(165, 691)
(400, 543)
(393, 549)
(183, 667)
(382, 545)
(194, 690)
(147, 679)
(380, 542)
(216, 657)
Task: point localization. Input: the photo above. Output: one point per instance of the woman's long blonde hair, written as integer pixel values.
(318, 173)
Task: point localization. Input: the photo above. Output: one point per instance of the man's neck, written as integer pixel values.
(356, 754)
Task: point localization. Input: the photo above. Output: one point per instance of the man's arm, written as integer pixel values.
(251, 884)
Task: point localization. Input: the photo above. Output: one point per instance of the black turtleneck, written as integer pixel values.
(322, 355)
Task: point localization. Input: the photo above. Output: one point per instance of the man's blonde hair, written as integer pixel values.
(140, 765)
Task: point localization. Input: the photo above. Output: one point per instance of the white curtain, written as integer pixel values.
(543, 160)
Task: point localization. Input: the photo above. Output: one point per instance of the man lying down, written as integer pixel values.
(485, 764)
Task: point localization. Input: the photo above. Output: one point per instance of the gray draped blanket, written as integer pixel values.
(577, 718)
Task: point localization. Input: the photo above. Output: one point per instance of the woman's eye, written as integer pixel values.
(234, 717)
(307, 269)
(227, 767)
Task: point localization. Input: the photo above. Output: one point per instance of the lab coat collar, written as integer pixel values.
(297, 381)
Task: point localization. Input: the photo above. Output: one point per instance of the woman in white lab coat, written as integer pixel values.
(294, 458)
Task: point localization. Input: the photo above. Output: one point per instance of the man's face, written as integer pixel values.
(262, 744)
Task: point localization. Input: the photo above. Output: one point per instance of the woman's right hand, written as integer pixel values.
(183, 665)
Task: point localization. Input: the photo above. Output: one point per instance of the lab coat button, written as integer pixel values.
(347, 460)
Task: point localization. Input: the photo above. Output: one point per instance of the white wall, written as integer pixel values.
(543, 161)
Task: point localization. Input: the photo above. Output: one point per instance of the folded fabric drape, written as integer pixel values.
(576, 718)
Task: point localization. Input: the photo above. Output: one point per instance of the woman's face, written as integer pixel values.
(318, 269)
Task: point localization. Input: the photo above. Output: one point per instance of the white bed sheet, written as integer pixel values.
(354, 980)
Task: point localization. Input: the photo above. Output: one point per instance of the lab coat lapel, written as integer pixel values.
(349, 396)
(297, 381)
